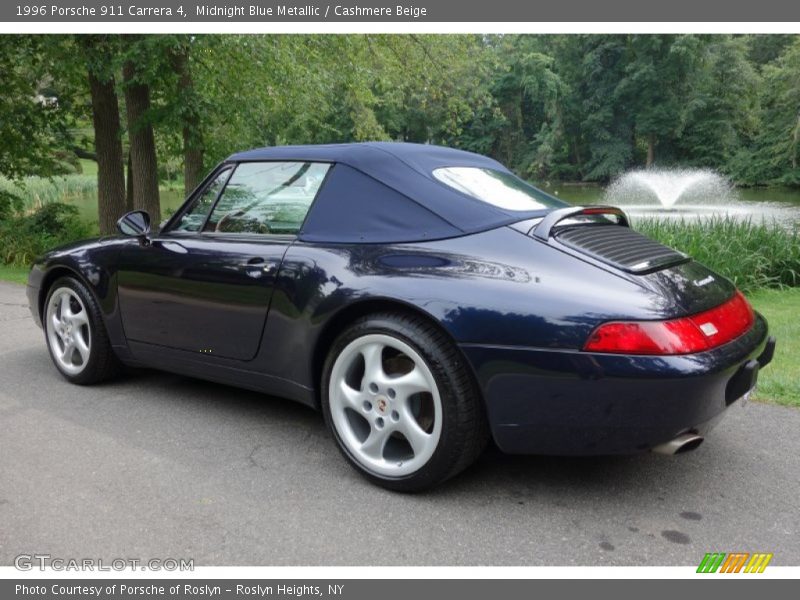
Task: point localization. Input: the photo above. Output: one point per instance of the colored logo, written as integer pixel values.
(734, 562)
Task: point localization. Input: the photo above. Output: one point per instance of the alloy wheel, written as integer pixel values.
(68, 330)
(385, 405)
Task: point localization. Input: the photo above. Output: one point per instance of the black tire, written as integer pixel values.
(464, 428)
(102, 363)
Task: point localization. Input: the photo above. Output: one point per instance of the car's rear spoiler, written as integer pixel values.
(620, 247)
(544, 229)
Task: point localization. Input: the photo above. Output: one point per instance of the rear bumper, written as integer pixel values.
(569, 402)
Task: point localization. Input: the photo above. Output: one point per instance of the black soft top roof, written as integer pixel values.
(386, 192)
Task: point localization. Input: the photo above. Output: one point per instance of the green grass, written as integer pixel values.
(88, 167)
(14, 274)
(780, 381)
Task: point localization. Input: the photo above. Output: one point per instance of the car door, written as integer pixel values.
(204, 284)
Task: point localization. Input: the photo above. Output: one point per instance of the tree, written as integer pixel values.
(599, 116)
(525, 117)
(34, 118)
(655, 85)
(189, 113)
(721, 107)
(577, 107)
(144, 165)
(100, 51)
(774, 156)
(425, 88)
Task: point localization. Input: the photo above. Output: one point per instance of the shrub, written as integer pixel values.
(25, 235)
(9, 204)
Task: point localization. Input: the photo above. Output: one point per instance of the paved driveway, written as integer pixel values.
(156, 465)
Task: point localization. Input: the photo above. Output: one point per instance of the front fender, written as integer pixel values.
(93, 262)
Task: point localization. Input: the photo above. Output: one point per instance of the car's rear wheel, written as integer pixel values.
(75, 333)
(401, 403)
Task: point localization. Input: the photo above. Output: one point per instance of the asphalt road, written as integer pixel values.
(155, 465)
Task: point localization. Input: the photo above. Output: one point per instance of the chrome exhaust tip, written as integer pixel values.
(686, 442)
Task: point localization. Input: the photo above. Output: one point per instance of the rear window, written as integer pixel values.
(501, 189)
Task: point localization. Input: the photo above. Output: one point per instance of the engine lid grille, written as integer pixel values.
(620, 247)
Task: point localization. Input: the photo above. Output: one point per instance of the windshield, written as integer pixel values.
(499, 188)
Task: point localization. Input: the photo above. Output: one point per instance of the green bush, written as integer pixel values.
(25, 235)
(751, 254)
(9, 204)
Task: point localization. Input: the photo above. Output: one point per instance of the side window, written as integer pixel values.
(195, 215)
(267, 197)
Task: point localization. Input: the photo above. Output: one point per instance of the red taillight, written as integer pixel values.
(679, 336)
(696, 333)
(730, 320)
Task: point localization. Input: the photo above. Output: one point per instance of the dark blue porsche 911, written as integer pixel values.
(425, 299)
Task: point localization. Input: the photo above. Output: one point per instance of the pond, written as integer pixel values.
(701, 202)
(786, 201)
(594, 194)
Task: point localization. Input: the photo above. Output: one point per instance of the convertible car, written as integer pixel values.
(425, 299)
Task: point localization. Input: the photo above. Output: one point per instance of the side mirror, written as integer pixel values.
(135, 224)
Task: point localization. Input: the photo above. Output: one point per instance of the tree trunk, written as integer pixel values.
(651, 149)
(108, 146)
(190, 116)
(144, 167)
(129, 185)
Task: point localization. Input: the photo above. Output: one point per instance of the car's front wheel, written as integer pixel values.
(401, 403)
(75, 333)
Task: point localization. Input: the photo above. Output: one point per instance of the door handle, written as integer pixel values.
(174, 247)
(257, 267)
